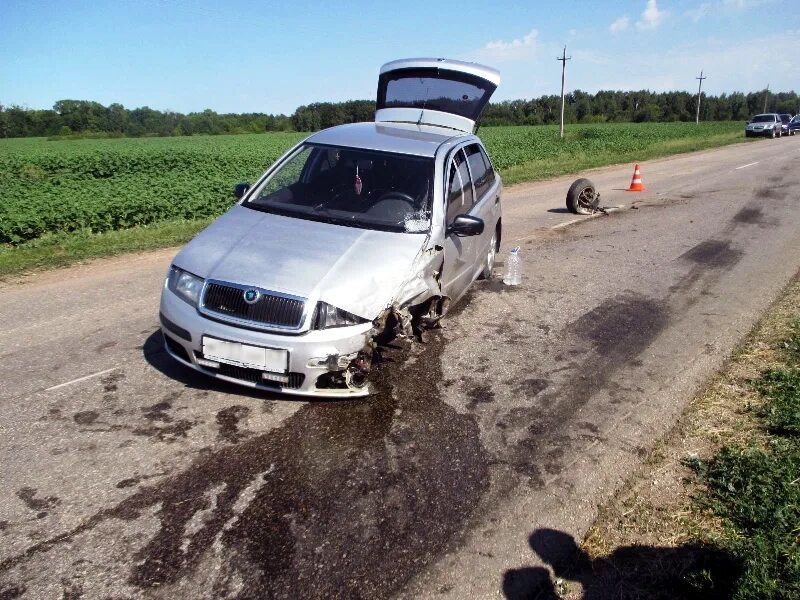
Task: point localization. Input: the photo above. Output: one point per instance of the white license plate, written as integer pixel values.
(245, 355)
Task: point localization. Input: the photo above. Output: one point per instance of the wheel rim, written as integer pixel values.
(492, 254)
(586, 198)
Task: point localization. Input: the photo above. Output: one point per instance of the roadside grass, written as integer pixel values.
(718, 499)
(77, 200)
(59, 250)
(566, 164)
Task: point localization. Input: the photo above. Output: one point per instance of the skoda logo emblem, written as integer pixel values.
(251, 296)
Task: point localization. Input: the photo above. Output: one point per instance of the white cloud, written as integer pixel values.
(651, 17)
(620, 24)
(516, 49)
(706, 9)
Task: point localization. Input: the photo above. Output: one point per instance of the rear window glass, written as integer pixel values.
(447, 91)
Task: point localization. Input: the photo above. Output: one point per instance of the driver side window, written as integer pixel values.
(459, 188)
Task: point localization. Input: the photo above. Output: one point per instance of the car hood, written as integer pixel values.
(358, 270)
(759, 125)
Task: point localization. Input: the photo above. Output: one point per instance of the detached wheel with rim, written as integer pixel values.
(491, 256)
(581, 197)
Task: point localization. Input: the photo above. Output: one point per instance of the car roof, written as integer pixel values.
(402, 138)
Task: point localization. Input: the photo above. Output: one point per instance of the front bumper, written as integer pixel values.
(759, 132)
(183, 328)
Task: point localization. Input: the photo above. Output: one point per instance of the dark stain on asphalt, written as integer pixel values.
(344, 499)
(168, 433)
(134, 481)
(478, 393)
(497, 286)
(750, 216)
(130, 482)
(623, 326)
(714, 254)
(228, 421)
(28, 496)
(4, 525)
(618, 330)
(85, 417)
(533, 386)
(12, 592)
(111, 380)
(771, 193)
(157, 412)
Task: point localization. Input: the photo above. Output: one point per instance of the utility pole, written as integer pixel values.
(699, 87)
(563, 60)
(766, 95)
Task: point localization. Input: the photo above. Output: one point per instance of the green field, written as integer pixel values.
(66, 200)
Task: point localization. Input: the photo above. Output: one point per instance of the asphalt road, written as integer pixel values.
(126, 476)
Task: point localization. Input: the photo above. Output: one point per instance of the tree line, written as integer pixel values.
(86, 118)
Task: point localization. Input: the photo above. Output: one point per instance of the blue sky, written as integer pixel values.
(247, 56)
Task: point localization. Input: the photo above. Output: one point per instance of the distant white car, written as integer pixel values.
(359, 229)
(767, 124)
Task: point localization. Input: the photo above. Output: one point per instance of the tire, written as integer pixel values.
(772, 133)
(491, 256)
(580, 197)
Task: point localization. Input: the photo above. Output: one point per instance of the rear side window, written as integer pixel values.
(459, 188)
(482, 172)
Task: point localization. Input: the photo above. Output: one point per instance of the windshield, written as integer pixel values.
(350, 186)
(786, 118)
(764, 119)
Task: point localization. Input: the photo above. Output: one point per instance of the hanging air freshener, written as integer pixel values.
(358, 185)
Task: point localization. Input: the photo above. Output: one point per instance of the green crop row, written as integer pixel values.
(111, 184)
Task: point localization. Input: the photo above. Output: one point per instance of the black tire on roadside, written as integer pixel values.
(580, 197)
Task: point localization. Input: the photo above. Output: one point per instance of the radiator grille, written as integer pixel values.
(269, 309)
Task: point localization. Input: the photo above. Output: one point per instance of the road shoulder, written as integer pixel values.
(658, 521)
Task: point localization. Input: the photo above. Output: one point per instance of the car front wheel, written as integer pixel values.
(491, 256)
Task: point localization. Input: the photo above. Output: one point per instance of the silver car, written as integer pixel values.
(768, 124)
(359, 232)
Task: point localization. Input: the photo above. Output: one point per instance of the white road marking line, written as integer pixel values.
(747, 165)
(60, 385)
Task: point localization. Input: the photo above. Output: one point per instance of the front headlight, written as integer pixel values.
(327, 316)
(185, 285)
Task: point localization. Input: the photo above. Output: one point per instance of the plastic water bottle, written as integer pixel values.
(513, 268)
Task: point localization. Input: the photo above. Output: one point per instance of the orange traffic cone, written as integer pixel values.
(636, 182)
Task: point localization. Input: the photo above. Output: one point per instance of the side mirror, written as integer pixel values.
(240, 189)
(465, 225)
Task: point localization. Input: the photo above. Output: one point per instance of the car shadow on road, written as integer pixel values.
(158, 358)
(558, 210)
(636, 571)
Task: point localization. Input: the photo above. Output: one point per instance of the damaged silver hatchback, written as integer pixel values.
(357, 230)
